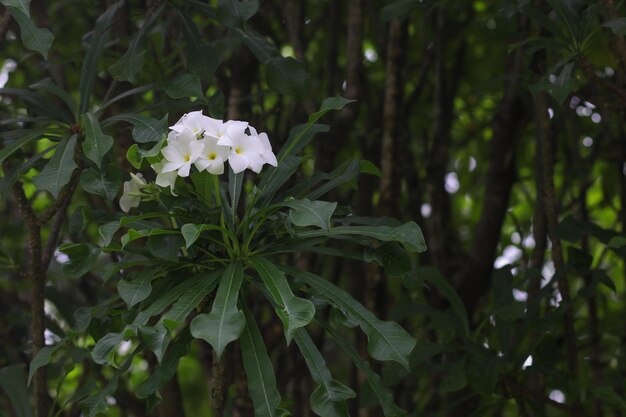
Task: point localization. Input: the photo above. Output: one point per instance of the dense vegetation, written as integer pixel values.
(498, 127)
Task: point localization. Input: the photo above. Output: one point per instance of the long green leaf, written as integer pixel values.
(43, 358)
(190, 300)
(408, 235)
(294, 312)
(49, 86)
(259, 370)
(96, 144)
(386, 340)
(13, 382)
(329, 398)
(311, 213)
(145, 129)
(34, 38)
(92, 58)
(384, 394)
(58, 170)
(225, 322)
(26, 137)
(21, 5)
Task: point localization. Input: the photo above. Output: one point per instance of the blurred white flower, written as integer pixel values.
(181, 153)
(131, 197)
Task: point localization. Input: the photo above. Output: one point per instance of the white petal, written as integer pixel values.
(183, 171)
(173, 153)
(255, 163)
(269, 158)
(216, 167)
(202, 164)
(237, 162)
(187, 136)
(171, 166)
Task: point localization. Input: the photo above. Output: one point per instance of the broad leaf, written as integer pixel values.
(58, 170)
(82, 257)
(22, 5)
(42, 358)
(145, 129)
(186, 85)
(104, 347)
(259, 370)
(156, 338)
(34, 38)
(202, 59)
(294, 312)
(49, 86)
(386, 340)
(311, 213)
(105, 183)
(408, 235)
(287, 76)
(235, 13)
(24, 138)
(96, 144)
(329, 398)
(13, 382)
(225, 322)
(138, 285)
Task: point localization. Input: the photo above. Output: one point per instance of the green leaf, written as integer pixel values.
(89, 70)
(346, 172)
(133, 234)
(311, 213)
(259, 45)
(384, 394)
(49, 86)
(186, 85)
(235, 13)
(156, 338)
(13, 383)
(191, 232)
(386, 340)
(105, 183)
(21, 5)
(164, 371)
(235, 185)
(34, 38)
(107, 231)
(561, 88)
(617, 25)
(202, 59)
(293, 311)
(275, 177)
(131, 63)
(225, 322)
(97, 403)
(104, 347)
(617, 242)
(24, 138)
(138, 286)
(58, 170)
(329, 398)
(434, 277)
(82, 258)
(608, 396)
(287, 76)
(42, 358)
(368, 167)
(96, 144)
(408, 235)
(259, 370)
(145, 129)
(192, 298)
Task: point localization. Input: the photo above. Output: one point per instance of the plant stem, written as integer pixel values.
(217, 392)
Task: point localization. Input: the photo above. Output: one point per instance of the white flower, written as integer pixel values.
(212, 157)
(267, 155)
(131, 197)
(194, 121)
(181, 153)
(225, 132)
(164, 179)
(245, 152)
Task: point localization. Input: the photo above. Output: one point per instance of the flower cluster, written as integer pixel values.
(207, 144)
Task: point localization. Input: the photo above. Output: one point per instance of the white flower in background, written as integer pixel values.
(212, 157)
(131, 197)
(165, 179)
(245, 152)
(181, 153)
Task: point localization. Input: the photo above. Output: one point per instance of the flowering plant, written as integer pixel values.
(193, 242)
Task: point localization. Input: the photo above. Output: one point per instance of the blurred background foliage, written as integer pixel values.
(497, 126)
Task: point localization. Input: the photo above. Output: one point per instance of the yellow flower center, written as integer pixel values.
(237, 151)
(212, 156)
(187, 157)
